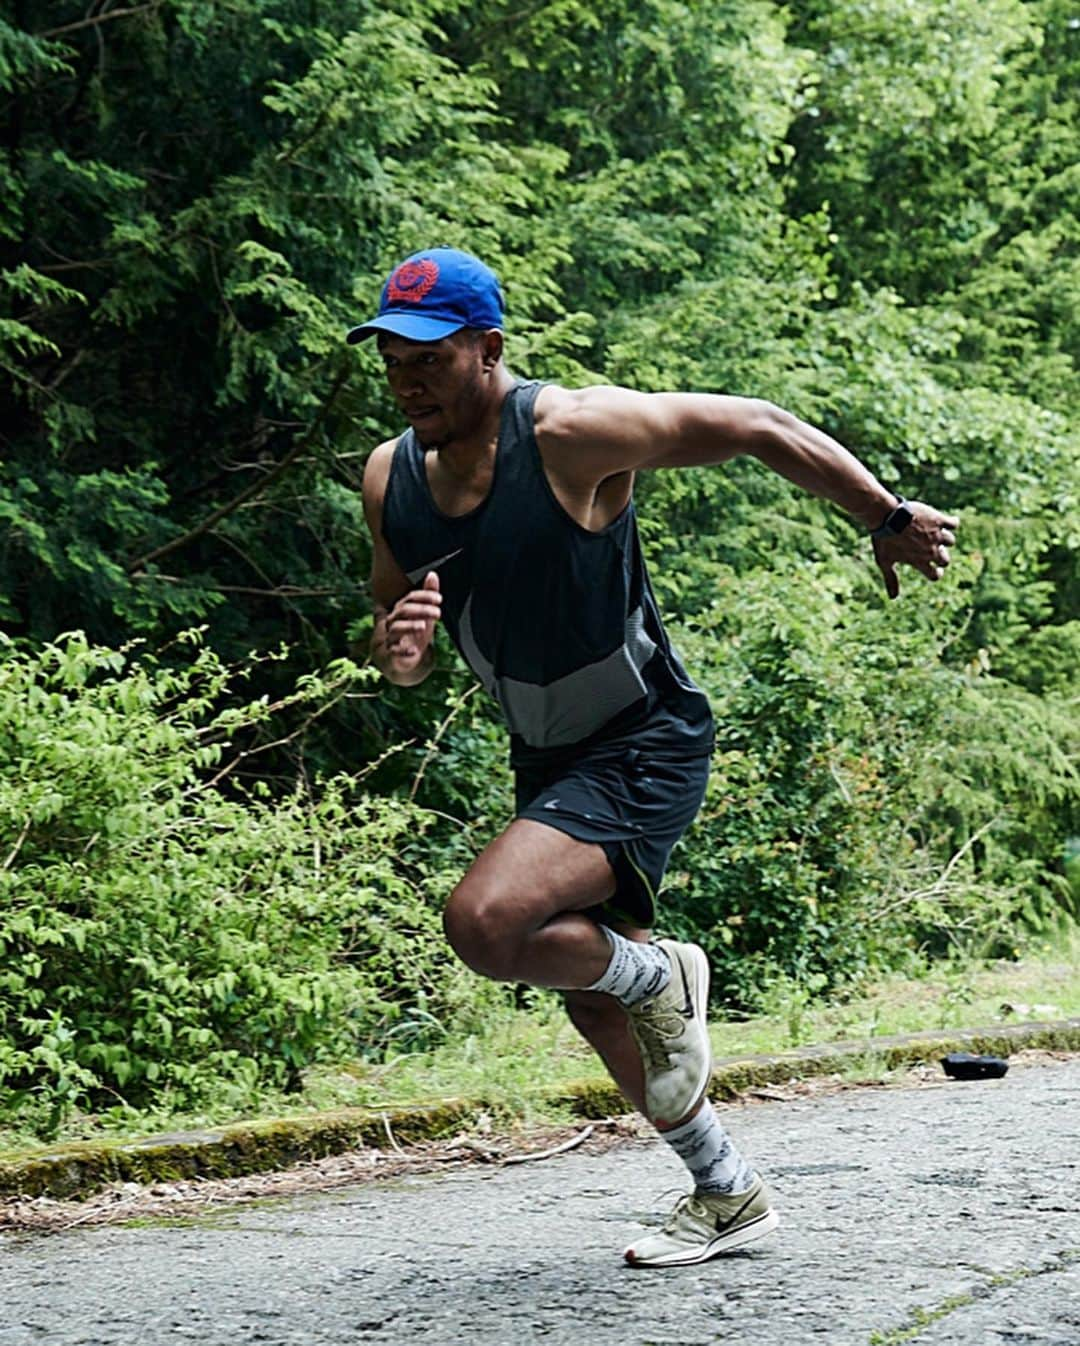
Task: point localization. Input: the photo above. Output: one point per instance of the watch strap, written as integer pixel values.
(895, 521)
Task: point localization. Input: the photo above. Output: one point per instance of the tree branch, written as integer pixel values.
(282, 591)
(16, 848)
(256, 488)
(941, 887)
(433, 746)
(97, 19)
(316, 714)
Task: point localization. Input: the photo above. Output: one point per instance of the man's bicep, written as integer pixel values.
(707, 428)
(603, 430)
(613, 429)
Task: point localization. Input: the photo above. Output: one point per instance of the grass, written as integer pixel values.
(517, 1057)
(520, 1055)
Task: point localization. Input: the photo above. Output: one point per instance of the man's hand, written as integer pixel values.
(924, 544)
(410, 627)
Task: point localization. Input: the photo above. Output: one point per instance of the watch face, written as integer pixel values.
(900, 518)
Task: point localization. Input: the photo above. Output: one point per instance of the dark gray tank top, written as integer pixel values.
(558, 623)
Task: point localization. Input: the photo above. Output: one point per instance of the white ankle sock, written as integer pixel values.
(636, 971)
(709, 1153)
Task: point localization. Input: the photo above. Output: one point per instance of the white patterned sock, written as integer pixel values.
(636, 971)
(709, 1153)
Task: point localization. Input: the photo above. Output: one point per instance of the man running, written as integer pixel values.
(505, 512)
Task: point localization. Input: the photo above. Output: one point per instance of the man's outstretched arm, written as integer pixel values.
(603, 431)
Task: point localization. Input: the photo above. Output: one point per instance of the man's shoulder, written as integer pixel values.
(561, 418)
(377, 470)
(379, 460)
(595, 411)
(553, 405)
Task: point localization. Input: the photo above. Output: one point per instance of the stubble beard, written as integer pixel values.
(469, 399)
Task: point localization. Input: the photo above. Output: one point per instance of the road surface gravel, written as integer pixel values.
(936, 1215)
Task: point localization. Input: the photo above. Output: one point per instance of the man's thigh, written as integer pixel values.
(633, 805)
(533, 872)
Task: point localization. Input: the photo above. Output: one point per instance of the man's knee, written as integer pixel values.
(481, 929)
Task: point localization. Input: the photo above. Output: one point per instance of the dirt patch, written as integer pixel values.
(165, 1200)
(126, 1201)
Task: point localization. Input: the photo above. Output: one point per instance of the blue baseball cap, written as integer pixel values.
(433, 294)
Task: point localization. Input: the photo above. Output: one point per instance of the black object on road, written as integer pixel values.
(964, 1066)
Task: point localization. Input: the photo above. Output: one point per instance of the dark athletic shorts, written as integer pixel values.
(634, 804)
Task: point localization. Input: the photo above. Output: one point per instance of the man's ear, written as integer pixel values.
(491, 347)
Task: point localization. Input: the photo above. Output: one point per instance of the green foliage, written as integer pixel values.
(865, 211)
(867, 795)
(163, 942)
(902, 122)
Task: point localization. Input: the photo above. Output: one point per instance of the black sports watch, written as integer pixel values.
(895, 521)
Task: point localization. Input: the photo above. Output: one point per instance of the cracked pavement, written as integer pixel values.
(946, 1214)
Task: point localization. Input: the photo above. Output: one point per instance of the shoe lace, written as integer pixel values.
(688, 1203)
(653, 1026)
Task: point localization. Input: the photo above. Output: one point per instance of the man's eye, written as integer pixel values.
(427, 359)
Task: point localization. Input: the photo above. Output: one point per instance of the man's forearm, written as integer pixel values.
(815, 461)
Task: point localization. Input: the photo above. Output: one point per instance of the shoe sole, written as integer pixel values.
(723, 1243)
(699, 966)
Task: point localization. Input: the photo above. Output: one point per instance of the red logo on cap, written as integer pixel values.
(413, 281)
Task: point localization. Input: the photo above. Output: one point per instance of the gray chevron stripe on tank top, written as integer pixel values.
(571, 707)
(558, 623)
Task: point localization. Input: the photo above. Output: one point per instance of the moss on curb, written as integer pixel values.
(77, 1170)
(733, 1075)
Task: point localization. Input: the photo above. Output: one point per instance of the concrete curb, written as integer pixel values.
(78, 1170)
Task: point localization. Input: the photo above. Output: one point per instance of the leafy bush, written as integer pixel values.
(161, 939)
(869, 795)
(198, 200)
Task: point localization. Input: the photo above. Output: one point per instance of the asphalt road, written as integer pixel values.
(930, 1215)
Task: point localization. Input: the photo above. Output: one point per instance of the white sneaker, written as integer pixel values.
(672, 1035)
(704, 1225)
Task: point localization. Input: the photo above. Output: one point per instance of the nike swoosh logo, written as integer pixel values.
(428, 566)
(722, 1224)
(687, 1010)
(434, 565)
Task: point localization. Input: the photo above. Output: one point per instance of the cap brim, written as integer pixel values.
(411, 326)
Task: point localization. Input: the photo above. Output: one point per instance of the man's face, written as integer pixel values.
(439, 385)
